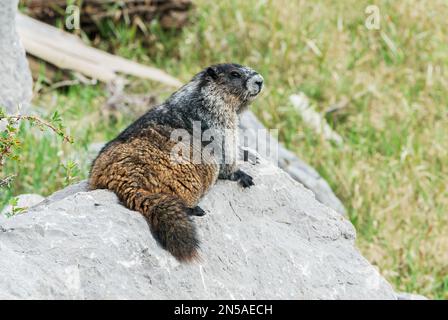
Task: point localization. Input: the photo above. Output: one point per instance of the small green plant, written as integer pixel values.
(10, 146)
(15, 209)
(71, 171)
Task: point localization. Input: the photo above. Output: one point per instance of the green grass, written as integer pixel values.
(391, 172)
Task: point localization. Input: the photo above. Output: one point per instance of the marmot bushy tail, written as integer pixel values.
(169, 221)
(164, 178)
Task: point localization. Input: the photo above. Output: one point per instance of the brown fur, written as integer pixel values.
(142, 174)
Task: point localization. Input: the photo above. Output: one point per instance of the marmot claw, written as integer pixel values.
(243, 179)
(196, 211)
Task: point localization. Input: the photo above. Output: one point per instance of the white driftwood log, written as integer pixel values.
(313, 119)
(67, 51)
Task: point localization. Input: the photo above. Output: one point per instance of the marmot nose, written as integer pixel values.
(256, 83)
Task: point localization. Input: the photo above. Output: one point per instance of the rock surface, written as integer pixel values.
(25, 201)
(273, 241)
(15, 80)
(288, 161)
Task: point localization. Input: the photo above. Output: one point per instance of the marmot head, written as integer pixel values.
(234, 84)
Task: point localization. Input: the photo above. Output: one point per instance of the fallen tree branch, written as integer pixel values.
(313, 119)
(67, 51)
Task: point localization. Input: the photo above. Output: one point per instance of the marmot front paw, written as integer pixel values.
(243, 179)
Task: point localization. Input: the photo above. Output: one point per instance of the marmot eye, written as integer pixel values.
(235, 74)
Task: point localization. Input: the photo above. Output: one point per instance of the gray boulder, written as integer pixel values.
(15, 80)
(288, 161)
(272, 241)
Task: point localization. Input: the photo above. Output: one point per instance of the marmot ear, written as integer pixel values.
(212, 73)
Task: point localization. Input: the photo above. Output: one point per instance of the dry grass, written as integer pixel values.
(392, 172)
